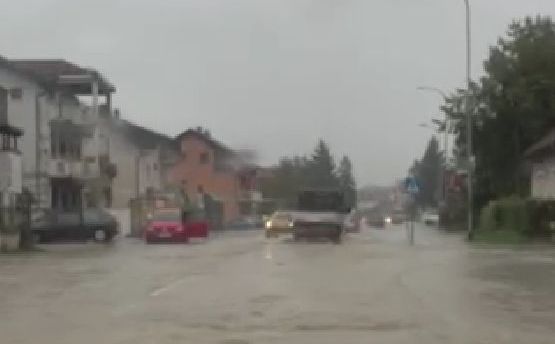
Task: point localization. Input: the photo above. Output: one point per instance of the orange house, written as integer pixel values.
(207, 166)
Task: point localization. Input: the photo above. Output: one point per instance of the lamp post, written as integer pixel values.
(470, 163)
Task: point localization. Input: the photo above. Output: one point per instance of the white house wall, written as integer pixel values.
(124, 154)
(22, 113)
(10, 172)
(149, 170)
(543, 180)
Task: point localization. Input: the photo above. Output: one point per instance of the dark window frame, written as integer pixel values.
(3, 105)
(16, 93)
(204, 158)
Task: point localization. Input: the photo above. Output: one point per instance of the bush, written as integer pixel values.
(488, 218)
(505, 220)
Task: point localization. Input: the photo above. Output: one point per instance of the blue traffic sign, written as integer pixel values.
(411, 185)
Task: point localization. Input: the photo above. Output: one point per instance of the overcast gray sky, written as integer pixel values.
(273, 75)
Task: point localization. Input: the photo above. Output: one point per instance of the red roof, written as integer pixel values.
(205, 138)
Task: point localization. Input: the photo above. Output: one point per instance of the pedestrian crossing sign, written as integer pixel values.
(411, 185)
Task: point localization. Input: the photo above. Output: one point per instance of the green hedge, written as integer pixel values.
(507, 214)
(514, 217)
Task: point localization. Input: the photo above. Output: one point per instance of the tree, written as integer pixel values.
(321, 168)
(292, 174)
(513, 107)
(428, 171)
(347, 180)
(288, 177)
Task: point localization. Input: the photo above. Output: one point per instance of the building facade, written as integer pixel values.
(205, 166)
(65, 163)
(142, 157)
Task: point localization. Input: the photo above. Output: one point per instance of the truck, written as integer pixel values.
(320, 213)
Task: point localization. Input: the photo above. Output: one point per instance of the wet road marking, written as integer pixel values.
(167, 287)
(269, 255)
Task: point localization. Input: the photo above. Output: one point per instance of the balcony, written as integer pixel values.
(75, 169)
(10, 173)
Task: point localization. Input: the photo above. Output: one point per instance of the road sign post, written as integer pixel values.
(413, 188)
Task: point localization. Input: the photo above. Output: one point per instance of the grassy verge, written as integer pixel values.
(500, 237)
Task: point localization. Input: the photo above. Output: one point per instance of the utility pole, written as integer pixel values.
(470, 162)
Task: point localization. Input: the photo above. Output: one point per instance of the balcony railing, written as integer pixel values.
(80, 169)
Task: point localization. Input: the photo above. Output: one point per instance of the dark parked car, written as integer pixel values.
(398, 217)
(97, 224)
(375, 219)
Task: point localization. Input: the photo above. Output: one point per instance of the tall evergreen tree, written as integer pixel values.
(321, 168)
(428, 171)
(347, 180)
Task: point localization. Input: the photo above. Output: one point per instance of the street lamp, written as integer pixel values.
(468, 124)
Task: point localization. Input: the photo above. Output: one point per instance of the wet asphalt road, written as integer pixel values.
(242, 288)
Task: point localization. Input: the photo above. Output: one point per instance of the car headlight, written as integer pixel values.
(291, 224)
(388, 219)
(268, 224)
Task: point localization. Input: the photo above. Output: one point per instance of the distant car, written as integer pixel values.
(281, 222)
(96, 224)
(377, 220)
(398, 217)
(430, 217)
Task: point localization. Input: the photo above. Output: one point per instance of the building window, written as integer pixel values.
(16, 93)
(76, 195)
(54, 197)
(90, 200)
(204, 158)
(78, 150)
(108, 196)
(60, 167)
(155, 167)
(5, 142)
(54, 147)
(3, 105)
(62, 149)
(65, 200)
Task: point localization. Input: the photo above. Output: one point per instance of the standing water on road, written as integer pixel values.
(277, 171)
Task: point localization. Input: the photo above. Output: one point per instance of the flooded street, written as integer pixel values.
(242, 288)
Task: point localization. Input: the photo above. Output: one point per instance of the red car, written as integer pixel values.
(172, 224)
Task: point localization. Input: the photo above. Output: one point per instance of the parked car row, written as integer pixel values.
(172, 224)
